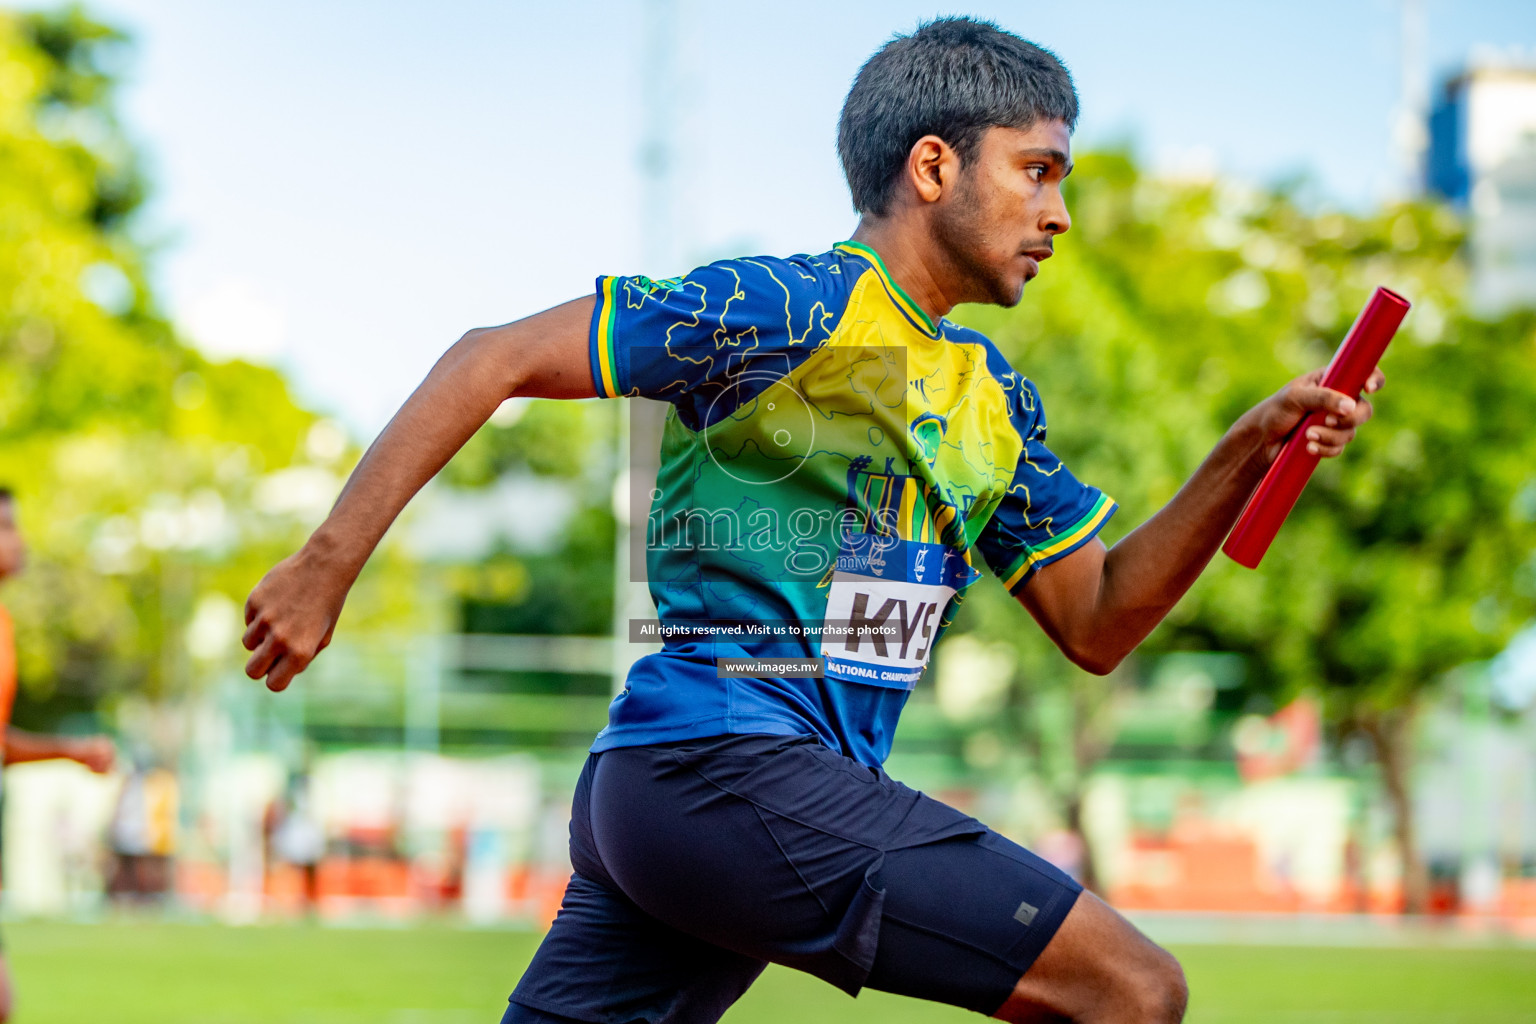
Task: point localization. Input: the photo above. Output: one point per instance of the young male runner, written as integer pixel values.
(95, 752)
(836, 455)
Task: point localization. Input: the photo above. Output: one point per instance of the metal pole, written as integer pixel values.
(641, 420)
(423, 690)
(1410, 133)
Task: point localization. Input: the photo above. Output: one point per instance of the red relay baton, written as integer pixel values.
(1351, 367)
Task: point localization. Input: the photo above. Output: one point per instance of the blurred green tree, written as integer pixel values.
(566, 585)
(1176, 305)
(154, 486)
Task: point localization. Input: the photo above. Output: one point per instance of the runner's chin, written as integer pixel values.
(1013, 285)
(1015, 293)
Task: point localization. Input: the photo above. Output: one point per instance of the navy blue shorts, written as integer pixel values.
(697, 863)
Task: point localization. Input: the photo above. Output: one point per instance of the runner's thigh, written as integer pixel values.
(786, 851)
(605, 960)
(704, 860)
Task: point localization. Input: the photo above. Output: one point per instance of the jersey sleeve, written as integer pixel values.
(679, 339)
(1047, 513)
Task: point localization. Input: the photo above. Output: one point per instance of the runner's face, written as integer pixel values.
(13, 553)
(1007, 209)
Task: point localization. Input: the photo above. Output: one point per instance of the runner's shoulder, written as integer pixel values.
(802, 275)
(1022, 394)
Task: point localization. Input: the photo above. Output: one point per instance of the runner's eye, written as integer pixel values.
(1036, 172)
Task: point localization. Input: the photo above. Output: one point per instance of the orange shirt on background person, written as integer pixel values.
(7, 671)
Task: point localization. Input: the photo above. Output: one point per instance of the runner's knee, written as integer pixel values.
(1148, 988)
(1099, 969)
(1159, 990)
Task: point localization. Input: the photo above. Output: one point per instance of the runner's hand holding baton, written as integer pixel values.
(1348, 373)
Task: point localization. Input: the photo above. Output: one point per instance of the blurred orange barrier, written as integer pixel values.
(1199, 868)
(1518, 898)
(200, 885)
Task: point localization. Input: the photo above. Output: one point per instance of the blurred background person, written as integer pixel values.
(143, 833)
(295, 838)
(95, 752)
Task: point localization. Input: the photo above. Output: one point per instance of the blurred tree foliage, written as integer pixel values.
(154, 487)
(565, 587)
(1173, 307)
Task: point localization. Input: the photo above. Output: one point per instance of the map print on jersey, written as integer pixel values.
(831, 457)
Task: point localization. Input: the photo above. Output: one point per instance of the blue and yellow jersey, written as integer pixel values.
(832, 463)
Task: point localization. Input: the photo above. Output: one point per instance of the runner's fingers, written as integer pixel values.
(1377, 382)
(283, 670)
(1331, 436)
(1364, 410)
(1316, 398)
(261, 662)
(254, 633)
(1328, 441)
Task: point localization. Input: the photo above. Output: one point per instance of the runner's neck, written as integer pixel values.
(908, 271)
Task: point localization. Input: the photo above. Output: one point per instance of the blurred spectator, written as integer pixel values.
(293, 835)
(143, 834)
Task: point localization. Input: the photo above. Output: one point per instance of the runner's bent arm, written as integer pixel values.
(292, 613)
(1098, 604)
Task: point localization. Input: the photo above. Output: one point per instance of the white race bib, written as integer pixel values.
(886, 600)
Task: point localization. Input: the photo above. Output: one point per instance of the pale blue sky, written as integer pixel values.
(347, 186)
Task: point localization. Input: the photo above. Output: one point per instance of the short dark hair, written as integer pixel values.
(954, 78)
(6, 494)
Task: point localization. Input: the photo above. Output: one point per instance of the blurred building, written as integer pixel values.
(1482, 156)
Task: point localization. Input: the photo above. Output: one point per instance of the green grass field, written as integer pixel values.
(208, 974)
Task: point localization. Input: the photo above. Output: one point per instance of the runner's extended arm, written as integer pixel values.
(292, 613)
(1098, 604)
